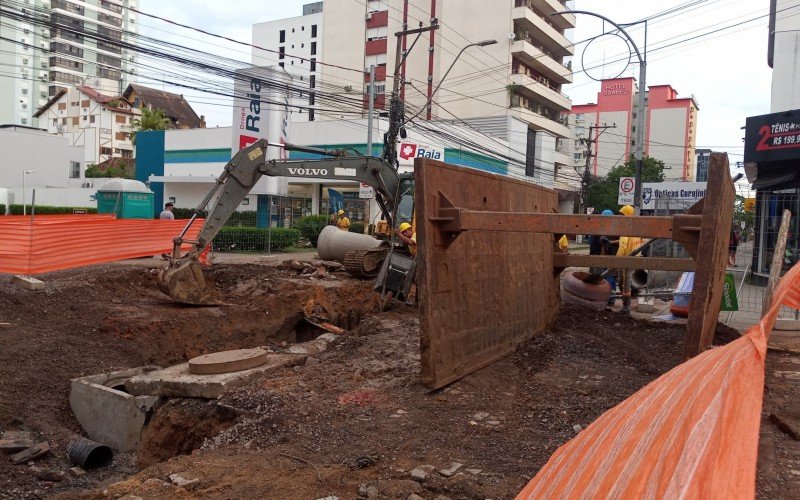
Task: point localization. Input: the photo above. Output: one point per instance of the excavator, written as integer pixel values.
(182, 278)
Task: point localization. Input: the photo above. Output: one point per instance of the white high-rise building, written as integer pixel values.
(299, 36)
(80, 49)
(511, 89)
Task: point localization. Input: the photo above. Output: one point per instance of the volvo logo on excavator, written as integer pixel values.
(311, 172)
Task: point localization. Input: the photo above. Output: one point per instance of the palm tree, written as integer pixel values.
(151, 119)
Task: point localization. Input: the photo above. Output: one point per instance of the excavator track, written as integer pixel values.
(364, 263)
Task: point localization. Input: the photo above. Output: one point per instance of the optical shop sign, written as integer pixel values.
(671, 195)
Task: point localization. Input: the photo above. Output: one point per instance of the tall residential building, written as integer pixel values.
(79, 49)
(670, 127)
(299, 36)
(784, 44)
(510, 90)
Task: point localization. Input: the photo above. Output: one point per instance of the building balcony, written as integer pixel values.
(541, 60)
(547, 7)
(529, 86)
(542, 30)
(562, 158)
(374, 47)
(538, 121)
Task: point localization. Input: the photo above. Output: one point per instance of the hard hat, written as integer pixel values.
(341, 212)
(607, 212)
(404, 226)
(627, 210)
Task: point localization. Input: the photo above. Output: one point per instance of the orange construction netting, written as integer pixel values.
(54, 242)
(691, 433)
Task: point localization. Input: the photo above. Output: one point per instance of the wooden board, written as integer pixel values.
(486, 291)
(612, 261)
(713, 251)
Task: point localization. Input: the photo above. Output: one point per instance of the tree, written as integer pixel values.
(602, 191)
(151, 119)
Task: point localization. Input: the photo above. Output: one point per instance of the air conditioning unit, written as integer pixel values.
(348, 88)
(24, 91)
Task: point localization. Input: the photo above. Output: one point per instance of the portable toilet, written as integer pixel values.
(127, 198)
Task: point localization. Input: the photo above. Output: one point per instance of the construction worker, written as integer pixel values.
(407, 235)
(343, 222)
(627, 244)
(167, 214)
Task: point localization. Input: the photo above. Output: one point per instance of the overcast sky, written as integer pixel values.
(726, 72)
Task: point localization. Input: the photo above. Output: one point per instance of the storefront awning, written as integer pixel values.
(777, 179)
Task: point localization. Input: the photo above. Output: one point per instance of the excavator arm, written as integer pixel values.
(183, 279)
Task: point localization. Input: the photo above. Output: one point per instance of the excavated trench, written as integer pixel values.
(259, 306)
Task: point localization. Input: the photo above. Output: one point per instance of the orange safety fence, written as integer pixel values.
(691, 433)
(54, 242)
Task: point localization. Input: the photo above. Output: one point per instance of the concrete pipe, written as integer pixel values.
(333, 243)
(641, 278)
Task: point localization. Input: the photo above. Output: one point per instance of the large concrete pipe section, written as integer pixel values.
(333, 243)
(641, 278)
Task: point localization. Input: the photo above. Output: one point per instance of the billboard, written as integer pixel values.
(671, 195)
(407, 151)
(772, 137)
(261, 111)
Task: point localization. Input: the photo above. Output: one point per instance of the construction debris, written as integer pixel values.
(32, 453)
(14, 441)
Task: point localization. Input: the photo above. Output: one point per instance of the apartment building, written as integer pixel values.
(99, 123)
(46, 60)
(670, 128)
(301, 39)
(510, 89)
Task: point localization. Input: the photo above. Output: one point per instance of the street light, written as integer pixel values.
(482, 43)
(24, 173)
(639, 152)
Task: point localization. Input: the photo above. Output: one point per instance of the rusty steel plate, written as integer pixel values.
(709, 276)
(228, 361)
(481, 293)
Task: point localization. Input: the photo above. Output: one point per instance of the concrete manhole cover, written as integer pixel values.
(228, 361)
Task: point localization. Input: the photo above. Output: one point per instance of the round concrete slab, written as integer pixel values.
(228, 361)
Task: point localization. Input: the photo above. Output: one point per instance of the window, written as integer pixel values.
(76, 120)
(313, 65)
(282, 36)
(313, 48)
(105, 151)
(311, 115)
(120, 119)
(74, 170)
(74, 104)
(121, 136)
(85, 103)
(292, 30)
(62, 106)
(280, 64)
(91, 119)
(63, 121)
(302, 28)
(55, 121)
(313, 31)
(281, 52)
(311, 99)
(312, 81)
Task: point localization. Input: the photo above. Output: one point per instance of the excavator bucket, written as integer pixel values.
(184, 282)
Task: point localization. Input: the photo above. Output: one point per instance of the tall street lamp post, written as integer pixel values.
(639, 151)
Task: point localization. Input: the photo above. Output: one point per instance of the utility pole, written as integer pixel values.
(371, 108)
(396, 106)
(586, 177)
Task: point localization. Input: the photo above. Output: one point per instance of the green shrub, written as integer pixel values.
(255, 239)
(247, 218)
(186, 213)
(311, 226)
(45, 210)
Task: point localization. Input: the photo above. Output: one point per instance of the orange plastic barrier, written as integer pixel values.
(54, 242)
(691, 433)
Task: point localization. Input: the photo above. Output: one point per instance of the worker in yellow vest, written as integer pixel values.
(343, 222)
